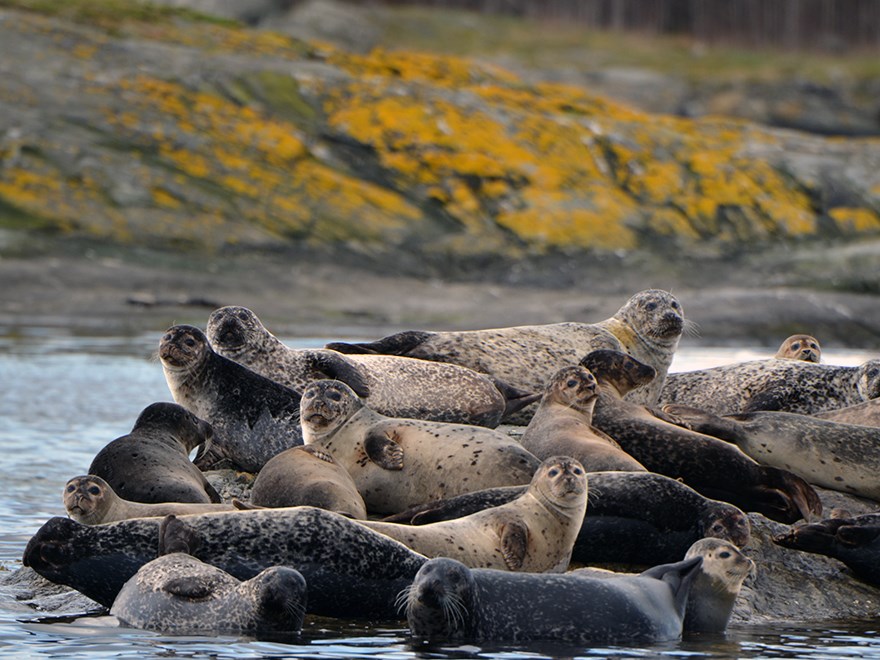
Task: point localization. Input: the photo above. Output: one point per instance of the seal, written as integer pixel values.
(533, 533)
(711, 466)
(632, 517)
(397, 463)
(391, 385)
(854, 541)
(772, 384)
(307, 476)
(449, 601)
(861, 414)
(351, 571)
(91, 501)
(800, 347)
(648, 327)
(253, 417)
(176, 593)
(562, 425)
(151, 463)
(843, 457)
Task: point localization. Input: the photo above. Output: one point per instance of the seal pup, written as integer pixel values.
(397, 463)
(176, 593)
(648, 327)
(449, 601)
(351, 571)
(151, 463)
(562, 425)
(854, 541)
(800, 347)
(632, 517)
(843, 457)
(253, 417)
(91, 501)
(307, 476)
(391, 385)
(533, 533)
(772, 384)
(711, 466)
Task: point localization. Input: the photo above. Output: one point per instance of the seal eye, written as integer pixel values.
(71, 488)
(577, 471)
(189, 341)
(675, 305)
(94, 490)
(571, 383)
(796, 345)
(651, 306)
(553, 472)
(334, 395)
(724, 555)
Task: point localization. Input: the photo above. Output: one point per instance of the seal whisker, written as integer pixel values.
(402, 601)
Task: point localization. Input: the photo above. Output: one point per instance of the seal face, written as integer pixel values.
(716, 586)
(800, 347)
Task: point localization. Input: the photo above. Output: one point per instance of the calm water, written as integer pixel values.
(63, 398)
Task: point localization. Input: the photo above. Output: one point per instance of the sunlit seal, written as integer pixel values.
(800, 347)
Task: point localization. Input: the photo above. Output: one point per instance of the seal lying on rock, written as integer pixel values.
(786, 385)
(90, 500)
(800, 347)
(177, 593)
(711, 466)
(151, 464)
(351, 571)
(854, 541)
(533, 533)
(862, 414)
(253, 417)
(391, 385)
(396, 463)
(448, 601)
(647, 327)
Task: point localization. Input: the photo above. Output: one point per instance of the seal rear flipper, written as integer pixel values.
(515, 399)
(856, 535)
(457, 507)
(679, 576)
(212, 493)
(336, 367)
(245, 506)
(701, 421)
(400, 343)
(802, 496)
(176, 536)
(383, 450)
(514, 542)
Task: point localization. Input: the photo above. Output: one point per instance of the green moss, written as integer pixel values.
(110, 13)
(280, 93)
(13, 217)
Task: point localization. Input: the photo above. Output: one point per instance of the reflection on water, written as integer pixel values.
(65, 397)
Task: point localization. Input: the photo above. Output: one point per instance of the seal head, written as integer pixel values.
(800, 347)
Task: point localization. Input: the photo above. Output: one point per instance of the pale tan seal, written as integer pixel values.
(533, 533)
(866, 413)
(397, 463)
(392, 385)
(562, 425)
(91, 501)
(800, 347)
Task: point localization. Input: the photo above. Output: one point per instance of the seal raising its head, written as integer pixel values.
(717, 585)
(800, 347)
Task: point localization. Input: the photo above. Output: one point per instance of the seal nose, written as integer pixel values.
(230, 333)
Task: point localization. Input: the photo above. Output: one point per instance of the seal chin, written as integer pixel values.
(317, 419)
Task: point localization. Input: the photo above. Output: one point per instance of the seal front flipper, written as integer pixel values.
(514, 542)
(383, 450)
(318, 453)
(176, 536)
(190, 587)
(400, 343)
(336, 367)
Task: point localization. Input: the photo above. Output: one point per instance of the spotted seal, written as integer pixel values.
(91, 501)
(561, 425)
(253, 417)
(391, 385)
(397, 463)
(351, 571)
(800, 347)
(648, 327)
(151, 463)
(715, 468)
(535, 532)
(862, 414)
(772, 384)
(843, 457)
(449, 601)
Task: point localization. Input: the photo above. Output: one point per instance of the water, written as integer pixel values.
(65, 397)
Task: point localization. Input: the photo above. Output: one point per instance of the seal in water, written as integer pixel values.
(253, 417)
(351, 571)
(91, 501)
(800, 347)
(632, 517)
(391, 385)
(176, 593)
(562, 425)
(647, 327)
(842, 457)
(711, 466)
(533, 533)
(151, 464)
(854, 541)
(449, 601)
(397, 463)
(772, 384)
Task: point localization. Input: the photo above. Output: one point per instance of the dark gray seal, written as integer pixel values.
(151, 463)
(351, 571)
(800, 347)
(391, 385)
(254, 418)
(854, 541)
(772, 384)
(647, 327)
(715, 468)
(450, 602)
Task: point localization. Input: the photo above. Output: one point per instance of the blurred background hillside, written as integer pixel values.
(352, 164)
